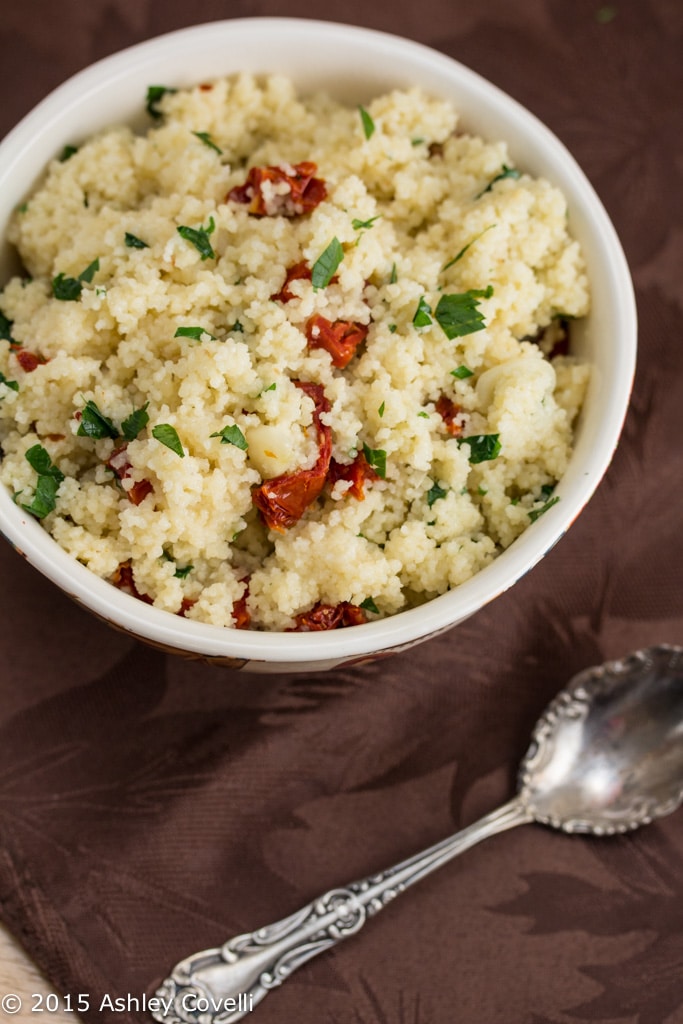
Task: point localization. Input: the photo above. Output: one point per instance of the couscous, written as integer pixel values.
(282, 364)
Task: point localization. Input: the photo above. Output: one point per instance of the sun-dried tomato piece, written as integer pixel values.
(119, 465)
(329, 616)
(449, 413)
(357, 472)
(185, 605)
(340, 339)
(240, 613)
(283, 500)
(285, 190)
(29, 361)
(123, 580)
(299, 272)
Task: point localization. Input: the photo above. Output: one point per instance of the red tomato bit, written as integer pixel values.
(291, 190)
(340, 339)
(28, 361)
(357, 472)
(185, 605)
(240, 613)
(329, 616)
(283, 500)
(449, 413)
(123, 579)
(121, 467)
(299, 272)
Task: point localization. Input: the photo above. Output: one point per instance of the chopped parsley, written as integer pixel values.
(535, 513)
(464, 249)
(423, 414)
(506, 172)
(133, 242)
(90, 271)
(208, 141)
(435, 492)
(459, 314)
(95, 424)
(271, 387)
(199, 238)
(417, 142)
(358, 225)
(367, 122)
(237, 327)
(232, 435)
(154, 95)
(380, 411)
(133, 424)
(392, 328)
(168, 435)
(376, 458)
(462, 372)
(68, 289)
(193, 332)
(325, 266)
(483, 447)
(13, 384)
(393, 277)
(6, 326)
(422, 316)
(47, 485)
(67, 153)
(181, 573)
(368, 605)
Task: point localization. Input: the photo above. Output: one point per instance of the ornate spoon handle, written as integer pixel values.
(220, 986)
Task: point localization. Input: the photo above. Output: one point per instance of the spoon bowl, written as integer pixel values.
(605, 757)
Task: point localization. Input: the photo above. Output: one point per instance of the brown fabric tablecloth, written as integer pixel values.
(151, 807)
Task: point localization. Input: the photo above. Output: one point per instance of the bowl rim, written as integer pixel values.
(405, 627)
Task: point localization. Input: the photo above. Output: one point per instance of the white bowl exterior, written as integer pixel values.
(112, 91)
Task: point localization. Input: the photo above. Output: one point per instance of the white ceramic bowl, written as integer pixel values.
(354, 65)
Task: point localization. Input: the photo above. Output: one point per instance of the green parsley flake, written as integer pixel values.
(232, 435)
(6, 326)
(358, 225)
(67, 153)
(199, 238)
(367, 122)
(47, 485)
(154, 95)
(535, 513)
(459, 314)
(376, 458)
(325, 266)
(423, 414)
(507, 172)
(12, 384)
(464, 249)
(193, 332)
(462, 372)
(133, 424)
(95, 424)
(380, 411)
(435, 492)
(68, 289)
(237, 327)
(483, 447)
(422, 316)
(133, 242)
(182, 573)
(208, 141)
(369, 605)
(393, 277)
(392, 328)
(168, 435)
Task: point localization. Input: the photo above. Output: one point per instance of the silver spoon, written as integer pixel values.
(605, 757)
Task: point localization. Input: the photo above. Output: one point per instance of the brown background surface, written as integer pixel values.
(151, 807)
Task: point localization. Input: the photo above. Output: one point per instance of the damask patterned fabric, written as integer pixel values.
(151, 807)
